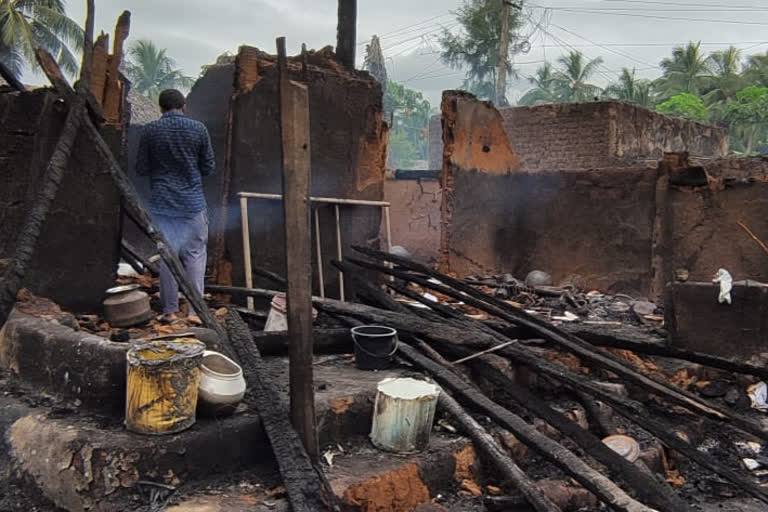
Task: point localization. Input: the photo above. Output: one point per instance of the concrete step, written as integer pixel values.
(81, 460)
(364, 479)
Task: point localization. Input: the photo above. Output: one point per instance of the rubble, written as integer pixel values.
(584, 357)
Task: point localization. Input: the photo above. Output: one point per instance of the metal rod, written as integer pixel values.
(331, 200)
(246, 248)
(339, 255)
(320, 277)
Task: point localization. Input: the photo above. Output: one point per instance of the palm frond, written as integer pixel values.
(66, 29)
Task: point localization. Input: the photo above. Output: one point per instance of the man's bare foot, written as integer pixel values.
(194, 320)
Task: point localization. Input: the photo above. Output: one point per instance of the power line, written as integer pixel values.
(656, 9)
(396, 31)
(672, 44)
(684, 4)
(419, 36)
(652, 16)
(615, 52)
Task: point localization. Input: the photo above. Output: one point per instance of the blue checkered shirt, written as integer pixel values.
(175, 152)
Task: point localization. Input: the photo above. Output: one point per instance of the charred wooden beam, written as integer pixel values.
(447, 335)
(305, 483)
(642, 484)
(488, 446)
(325, 341)
(553, 452)
(9, 77)
(457, 289)
(607, 339)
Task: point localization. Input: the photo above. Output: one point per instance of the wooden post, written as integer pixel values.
(339, 254)
(246, 247)
(294, 133)
(346, 33)
(320, 276)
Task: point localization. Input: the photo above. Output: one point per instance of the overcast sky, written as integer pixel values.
(625, 33)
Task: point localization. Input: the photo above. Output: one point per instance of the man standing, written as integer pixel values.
(175, 152)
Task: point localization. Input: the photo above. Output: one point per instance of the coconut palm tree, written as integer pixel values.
(151, 70)
(687, 71)
(543, 90)
(571, 81)
(631, 88)
(756, 70)
(28, 24)
(726, 79)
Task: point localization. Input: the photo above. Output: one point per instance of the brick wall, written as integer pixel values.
(594, 135)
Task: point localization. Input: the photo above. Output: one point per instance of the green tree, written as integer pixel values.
(476, 48)
(725, 82)
(543, 87)
(374, 61)
(28, 24)
(748, 117)
(687, 71)
(151, 70)
(630, 88)
(410, 113)
(572, 81)
(756, 71)
(685, 105)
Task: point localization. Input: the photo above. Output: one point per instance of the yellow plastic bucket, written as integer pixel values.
(161, 389)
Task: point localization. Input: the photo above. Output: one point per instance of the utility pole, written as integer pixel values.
(346, 33)
(501, 76)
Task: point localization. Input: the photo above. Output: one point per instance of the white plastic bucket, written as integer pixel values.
(276, 319)
(403, 414)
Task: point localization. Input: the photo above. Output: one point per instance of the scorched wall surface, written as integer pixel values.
(590, 228)
(78, 249)
(348, 150)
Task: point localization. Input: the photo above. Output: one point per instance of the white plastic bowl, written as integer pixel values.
(222, 385)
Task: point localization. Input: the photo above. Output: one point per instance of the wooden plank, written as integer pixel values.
(246, 233)
(295, 135)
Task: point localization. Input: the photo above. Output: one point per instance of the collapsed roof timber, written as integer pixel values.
(615, 375)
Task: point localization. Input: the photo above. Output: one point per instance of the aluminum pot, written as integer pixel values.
(222, 385)
(126, 306)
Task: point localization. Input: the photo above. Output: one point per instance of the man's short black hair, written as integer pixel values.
(171, 99)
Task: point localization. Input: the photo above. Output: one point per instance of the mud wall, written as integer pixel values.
(595, 135)
(700, 231)
(348, 150)
(78, 249)
(623, 228)
(590, 228)
(415, 216)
